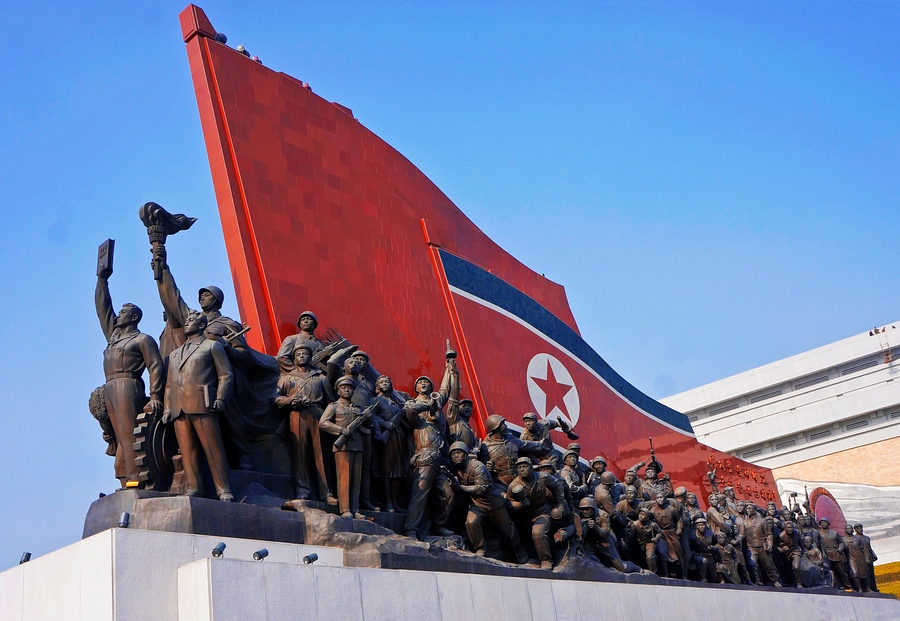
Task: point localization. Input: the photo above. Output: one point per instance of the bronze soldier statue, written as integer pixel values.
(500, 450)
(391, 460)
(598, 538)
(344, 419)
(760, 543)
(127, 354)
(646, 536)
(584, 470)
(354, 364)
(572, 478)
(538, 431)
(726, 560)
(198, 385)
(459, 411)
(652, 485)
(307, 322)
(305, 391)
(607, 493)
(485, 501)
(702, 551)
(528, 494)
(835, 550)
(856, 556)
(423, 414)
(631, 478)
(790, 547)
(871, 557)
(667, 515)
(598, 467)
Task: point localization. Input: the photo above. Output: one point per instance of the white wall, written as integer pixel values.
(113, 575)
(237, 590)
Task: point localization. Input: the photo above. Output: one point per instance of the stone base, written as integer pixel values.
(372, 542)
(160, 511)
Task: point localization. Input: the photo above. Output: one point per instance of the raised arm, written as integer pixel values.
(173, 303)
(103, 302)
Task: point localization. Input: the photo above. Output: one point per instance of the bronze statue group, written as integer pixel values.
(347, 437)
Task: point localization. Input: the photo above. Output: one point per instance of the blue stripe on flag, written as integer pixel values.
(482, 284)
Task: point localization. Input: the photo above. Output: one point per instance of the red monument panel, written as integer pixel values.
(319, 213)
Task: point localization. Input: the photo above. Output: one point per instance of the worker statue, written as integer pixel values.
(128, 353)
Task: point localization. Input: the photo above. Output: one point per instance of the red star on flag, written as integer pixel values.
(554, 390)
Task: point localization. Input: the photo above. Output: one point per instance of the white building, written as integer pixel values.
(829, 417)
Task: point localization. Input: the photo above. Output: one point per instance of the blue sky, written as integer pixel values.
(715, 184)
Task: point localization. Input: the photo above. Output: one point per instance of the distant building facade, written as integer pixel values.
(828, 417)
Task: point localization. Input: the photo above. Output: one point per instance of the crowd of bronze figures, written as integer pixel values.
(357, 443)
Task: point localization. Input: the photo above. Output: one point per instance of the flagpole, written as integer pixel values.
(481, 412)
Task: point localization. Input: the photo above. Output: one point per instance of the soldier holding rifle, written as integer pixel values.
(344, 419)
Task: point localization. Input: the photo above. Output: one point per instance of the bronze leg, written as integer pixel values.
(207, 427)
(190, 460)
(301, 476)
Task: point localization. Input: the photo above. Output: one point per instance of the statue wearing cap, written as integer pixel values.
(472, 479)
(571, 477)
(701, 549)
(835, 550)
(305, 392)
(584, 471)
(429, 483)
(344, 419)
(646, 534)
(598, 537)
(760, 543)
(390, 464)
(870, 555)
(458, 411)
(354, 363)
(500, 449)
(538, 431)
(528, 494)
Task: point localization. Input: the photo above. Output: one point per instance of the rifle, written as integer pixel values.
(235, 335)
(335, 342)
(809, 510)
(359, 420)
